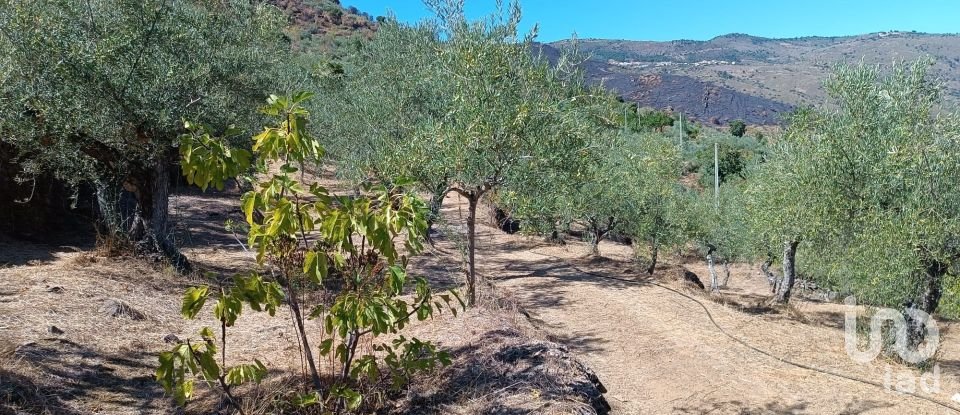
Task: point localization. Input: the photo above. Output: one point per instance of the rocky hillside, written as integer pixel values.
(748, 77)
(321, 25)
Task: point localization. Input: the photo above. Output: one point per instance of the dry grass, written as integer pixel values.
(81, 331)
(111, 246)
(655, 351)
(19, 393)
(502, 364)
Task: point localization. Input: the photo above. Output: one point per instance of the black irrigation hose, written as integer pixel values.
(747, 345)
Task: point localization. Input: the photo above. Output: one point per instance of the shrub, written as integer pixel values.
(309, 240)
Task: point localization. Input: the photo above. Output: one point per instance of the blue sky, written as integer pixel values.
(704, 19)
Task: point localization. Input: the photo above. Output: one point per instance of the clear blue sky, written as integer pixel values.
(705, 19)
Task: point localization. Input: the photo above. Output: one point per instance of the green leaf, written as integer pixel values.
(227, 309)
(206, 333)
(248, 205)
(423, 312)
(315, 266)
(397, 278)
(353, 398)
(309, 399)
(241, 374)
(325, 347)
(207, 362)
(302, 96)
(193, 301)
(183, 392)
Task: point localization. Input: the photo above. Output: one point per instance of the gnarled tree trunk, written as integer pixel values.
(927, 301)
(555, 238)
(108, 208)
(726, 273)
(771, 278)
(714, 281)
(150, 229)
(595, 243)
(789, 271)
(654, 253)
(599, 231)
(436, 202)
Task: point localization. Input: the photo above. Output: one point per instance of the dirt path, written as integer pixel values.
(657, 352)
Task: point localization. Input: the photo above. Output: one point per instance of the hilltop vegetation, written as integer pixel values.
(324, 26)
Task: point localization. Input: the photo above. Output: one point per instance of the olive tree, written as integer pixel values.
(778, 210)
(378, 106)
(485, 113)
(871, 183)
(719, 229)
(886, 160)
(655, 120)
(511, 114)
(98, 90)
(733, 154)
(600, 202)
(657, 202)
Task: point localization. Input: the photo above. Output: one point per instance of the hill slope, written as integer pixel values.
(320, 25)
(752, 78)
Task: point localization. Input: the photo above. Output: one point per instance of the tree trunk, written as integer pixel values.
(789, 271)
(555, 238)
(928, 300)
(160, 190)
(771, 278)
(599, 231)
(932, 290)
(150, 228)
(302, 332)
(474, 200)
(714, 281)
(436, 202)
(726, 273)
(654, 253)
(108, 208)
(595, 243)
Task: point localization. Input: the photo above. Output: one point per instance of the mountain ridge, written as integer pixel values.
(753, 78)
(747, 35)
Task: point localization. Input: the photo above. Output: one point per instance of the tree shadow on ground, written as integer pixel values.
(440, 266)
(777, 408)
(21, 394)
(198, 217)
(15, 252)
(556, 273)
(580, 342)
(832, 319)
(70, 376)
(948, 366)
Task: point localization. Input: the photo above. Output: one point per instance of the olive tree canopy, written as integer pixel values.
(99, 90)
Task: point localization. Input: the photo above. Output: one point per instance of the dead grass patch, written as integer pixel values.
(502, 364)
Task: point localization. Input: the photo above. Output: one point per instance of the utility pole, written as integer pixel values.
(638, 116)
(716, 174)
(681, 131)
(624, 118)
